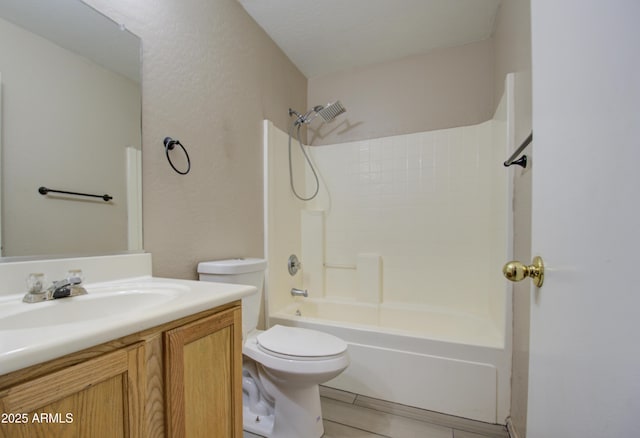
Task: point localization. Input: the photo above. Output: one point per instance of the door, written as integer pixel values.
(584, 376)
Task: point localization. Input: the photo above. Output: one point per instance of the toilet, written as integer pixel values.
(282, 366)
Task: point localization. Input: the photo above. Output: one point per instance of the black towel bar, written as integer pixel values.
(43, 191)
(522, 161)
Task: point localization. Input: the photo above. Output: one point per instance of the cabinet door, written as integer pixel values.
(203, 377)
(97, 398)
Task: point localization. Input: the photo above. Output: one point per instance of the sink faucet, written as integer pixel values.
(69, 287)
(299, 292)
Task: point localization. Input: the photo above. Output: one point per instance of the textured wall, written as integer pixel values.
(210, 76)
(441, 89)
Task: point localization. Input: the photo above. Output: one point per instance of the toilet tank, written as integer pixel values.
(249, 271)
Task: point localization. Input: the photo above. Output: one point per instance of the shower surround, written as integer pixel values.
(401, 254)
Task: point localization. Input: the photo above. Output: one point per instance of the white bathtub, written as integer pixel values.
(453, 363)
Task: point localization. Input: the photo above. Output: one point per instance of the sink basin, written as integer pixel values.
(32, 333)
(99, 303)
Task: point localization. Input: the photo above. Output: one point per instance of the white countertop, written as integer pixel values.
(24, 344)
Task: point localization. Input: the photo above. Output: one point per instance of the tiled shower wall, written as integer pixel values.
(415, 219)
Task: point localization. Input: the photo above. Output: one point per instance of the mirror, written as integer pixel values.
(70, 120)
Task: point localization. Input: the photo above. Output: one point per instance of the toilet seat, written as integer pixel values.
(299, 365)
(300, 343)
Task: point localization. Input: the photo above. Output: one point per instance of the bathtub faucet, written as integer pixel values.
(299, 292)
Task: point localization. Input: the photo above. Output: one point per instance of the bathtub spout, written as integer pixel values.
(299, 292)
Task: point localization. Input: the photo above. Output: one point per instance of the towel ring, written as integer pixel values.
(169, 145)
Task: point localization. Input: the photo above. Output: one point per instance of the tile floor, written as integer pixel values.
(348, 415)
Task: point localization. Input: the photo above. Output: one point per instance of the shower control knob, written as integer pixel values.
(517, 271)
(293, 265)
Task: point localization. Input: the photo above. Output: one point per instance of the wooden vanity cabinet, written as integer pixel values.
(100, 397)
(180, 379)
(203, 369)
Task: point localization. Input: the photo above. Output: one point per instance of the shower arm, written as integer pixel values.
(307, 118)
(300, 119)
(293, 112)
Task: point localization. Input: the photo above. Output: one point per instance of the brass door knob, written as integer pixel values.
(517, 271)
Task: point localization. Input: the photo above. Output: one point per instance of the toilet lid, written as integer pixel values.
(296, 341)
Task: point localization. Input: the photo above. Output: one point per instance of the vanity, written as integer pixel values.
(165, 363)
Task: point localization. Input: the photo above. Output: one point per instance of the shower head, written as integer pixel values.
(328, 112)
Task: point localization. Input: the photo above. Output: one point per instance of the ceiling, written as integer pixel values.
(79, 28)
(325, 36)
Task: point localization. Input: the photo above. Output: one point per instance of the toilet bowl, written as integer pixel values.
(289, 369)
(282, 366)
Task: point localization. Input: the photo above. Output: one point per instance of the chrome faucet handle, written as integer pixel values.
(35, 283)
(75, 276)
(293, 265)
(36, 291)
